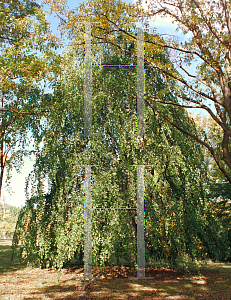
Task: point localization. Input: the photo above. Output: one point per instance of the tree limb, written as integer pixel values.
(211, 150)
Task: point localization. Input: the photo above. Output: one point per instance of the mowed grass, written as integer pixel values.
(17, 281)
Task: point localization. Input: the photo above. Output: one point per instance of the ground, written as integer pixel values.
(17, 281)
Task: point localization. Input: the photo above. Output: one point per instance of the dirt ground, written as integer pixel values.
(18, 281)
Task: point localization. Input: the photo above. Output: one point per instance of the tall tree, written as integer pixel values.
(208, 41)
(51, 225)
(28, 63)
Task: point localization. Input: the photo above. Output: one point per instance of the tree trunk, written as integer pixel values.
(3, 158)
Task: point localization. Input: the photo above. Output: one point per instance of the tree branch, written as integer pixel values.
(212, 30)
(227, 16)
(219, 164)
(182, 81)
(158, 44)
(23, 112)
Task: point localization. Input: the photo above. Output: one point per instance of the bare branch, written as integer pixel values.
(190, 75)
(174, 104)
(199, 80)
(211, 150)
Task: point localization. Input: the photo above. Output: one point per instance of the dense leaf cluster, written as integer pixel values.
(177, 220)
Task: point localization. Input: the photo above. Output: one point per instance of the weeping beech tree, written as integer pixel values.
(51, 224)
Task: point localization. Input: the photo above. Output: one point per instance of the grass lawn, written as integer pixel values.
(17, 281)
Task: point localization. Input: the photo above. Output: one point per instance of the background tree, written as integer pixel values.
(8, 219)
(208, 25)
(28, 63)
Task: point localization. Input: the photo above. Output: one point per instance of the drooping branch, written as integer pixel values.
(174, 104)
(104, 39)
(3, 126)
(196, 138)
(202, 94)
(23, 112)
(200, 105)
(164, 71)
(211, 150)
(223, 125)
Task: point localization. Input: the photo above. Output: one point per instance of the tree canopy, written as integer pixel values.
(207, 26)
(51, 225)
(43, 91)
(28, 64)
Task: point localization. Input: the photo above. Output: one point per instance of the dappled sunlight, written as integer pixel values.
(219, 264)
(139, 287)
(20, 282)
(176, 297)
(199, 280)
(43, 284)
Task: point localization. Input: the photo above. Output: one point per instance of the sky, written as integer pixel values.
(17, 195)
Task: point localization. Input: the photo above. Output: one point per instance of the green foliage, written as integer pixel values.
(176, 216)
(221, 211)
(8, 219)
(205, 26)
(28, 65)
(12, 12)
(218, 188)
(27, 55)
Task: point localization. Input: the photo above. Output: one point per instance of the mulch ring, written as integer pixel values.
(125, 272)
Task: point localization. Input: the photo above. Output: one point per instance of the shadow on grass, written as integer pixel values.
(6, 265)
(213, 282)
(167, 284)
